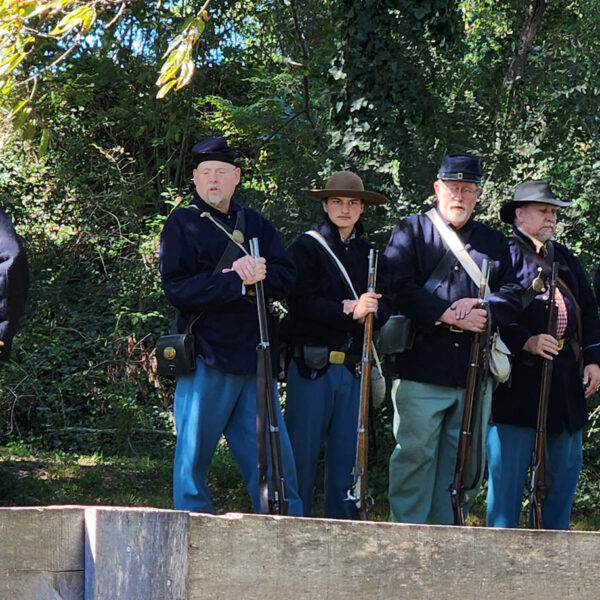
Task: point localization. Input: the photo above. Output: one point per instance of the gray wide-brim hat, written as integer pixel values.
(527, 192)
(345, 184)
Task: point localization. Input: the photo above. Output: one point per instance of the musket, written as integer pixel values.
(358, 492)
(538, 486)
(267, 412)
(475, 376)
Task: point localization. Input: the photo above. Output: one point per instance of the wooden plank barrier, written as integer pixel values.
(102, 553)
(270, 558)
(136, 554)
(41, 553)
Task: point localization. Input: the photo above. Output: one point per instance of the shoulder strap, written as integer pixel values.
(338, 263)
(239, 226)
(453, 242)
(439, 272)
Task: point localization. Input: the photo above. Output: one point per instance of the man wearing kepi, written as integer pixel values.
(325, 333)
(533, 213)
(206, 275)
(432, 287)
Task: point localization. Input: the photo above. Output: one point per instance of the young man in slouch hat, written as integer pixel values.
(533, 213)
(205, 274)
(433, 288)
(325, 333)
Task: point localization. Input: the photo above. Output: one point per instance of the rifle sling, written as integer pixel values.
(233, 247)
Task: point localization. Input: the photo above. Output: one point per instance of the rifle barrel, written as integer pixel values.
(358, 493)
(538, 487)
(265, 385)
(472, 392)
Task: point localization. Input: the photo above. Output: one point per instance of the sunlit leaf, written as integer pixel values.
(186, 74)
(83, 17)
(10, 63)
(44, 140)
(164, 90)
(19, 107)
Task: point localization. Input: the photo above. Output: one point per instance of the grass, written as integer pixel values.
(37, 478)
(34, 477)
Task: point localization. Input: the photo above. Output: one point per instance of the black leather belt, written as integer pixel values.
(336, 357)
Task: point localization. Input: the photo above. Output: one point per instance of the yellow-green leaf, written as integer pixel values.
(44, 140)
(10, 63)
(19, 107)
(83, 16)
(164, 90)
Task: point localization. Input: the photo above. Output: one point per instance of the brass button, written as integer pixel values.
(169, 352)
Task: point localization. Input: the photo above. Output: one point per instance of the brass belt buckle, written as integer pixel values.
(454, 329)
(336, 357)
(561, 344)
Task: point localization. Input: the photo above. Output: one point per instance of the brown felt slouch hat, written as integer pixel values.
(345, 184)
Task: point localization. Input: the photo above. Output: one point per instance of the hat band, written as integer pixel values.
(460, 176)
(226, 158)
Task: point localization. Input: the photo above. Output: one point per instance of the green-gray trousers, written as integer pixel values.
(427, 420)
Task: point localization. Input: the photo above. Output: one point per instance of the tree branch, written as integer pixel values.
(305, 59)
(524, 42)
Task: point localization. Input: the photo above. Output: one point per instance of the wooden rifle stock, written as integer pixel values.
(538, 487)
(267, 407)
(358, 492)
(475, 375)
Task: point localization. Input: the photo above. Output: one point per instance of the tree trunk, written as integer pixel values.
(526, 34)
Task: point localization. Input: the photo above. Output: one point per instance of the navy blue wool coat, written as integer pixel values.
(227, 333)
(516, 402)
(315, 303)
(440, 356)
(14, 283)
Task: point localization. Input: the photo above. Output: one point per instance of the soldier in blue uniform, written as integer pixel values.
(429, 384)
(220, 396)
(14, 284)
(597, 284)
(325, 334)
(533, 212)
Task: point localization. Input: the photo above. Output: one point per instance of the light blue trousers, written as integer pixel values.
(510, 448)
(209, 403)
(324, 410)
(426, 425)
